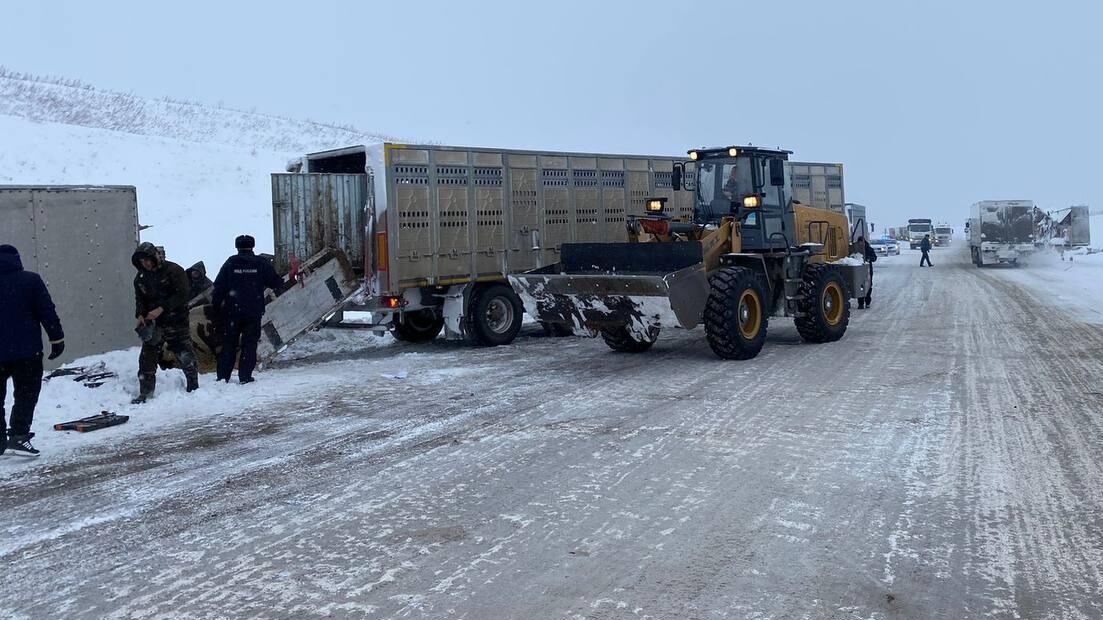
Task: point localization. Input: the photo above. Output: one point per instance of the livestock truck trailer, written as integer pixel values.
(433, 231)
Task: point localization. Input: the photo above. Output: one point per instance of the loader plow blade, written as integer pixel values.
(590, 302)
(640, 286)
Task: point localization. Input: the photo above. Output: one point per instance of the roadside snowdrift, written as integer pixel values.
(1073, 285)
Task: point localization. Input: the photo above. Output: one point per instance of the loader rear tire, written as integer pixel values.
(735, 315)
(825, 305)
(495, 316)
(418, 326)
(623, 341)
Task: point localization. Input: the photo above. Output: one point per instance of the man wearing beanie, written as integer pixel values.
(239, 300)
(25, 309)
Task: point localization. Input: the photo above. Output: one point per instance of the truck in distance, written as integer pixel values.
(917, 229)
(943, 235)
(1001, 231)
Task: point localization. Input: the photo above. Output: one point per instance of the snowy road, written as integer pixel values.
(945, 460)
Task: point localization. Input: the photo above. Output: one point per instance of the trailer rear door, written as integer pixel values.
(315, 211)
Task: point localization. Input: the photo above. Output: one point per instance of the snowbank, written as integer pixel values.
(1074, 285)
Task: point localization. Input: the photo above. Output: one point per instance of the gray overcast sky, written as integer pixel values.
(931, 105)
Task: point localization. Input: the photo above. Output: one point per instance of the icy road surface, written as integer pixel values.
(945, 460)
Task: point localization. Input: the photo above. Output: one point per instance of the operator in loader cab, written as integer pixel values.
(731, 185)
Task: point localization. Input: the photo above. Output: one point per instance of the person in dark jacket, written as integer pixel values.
(871, 257)
(925, 248)
(239, 300)
(199, 285)
(25, 309)
(161, 307)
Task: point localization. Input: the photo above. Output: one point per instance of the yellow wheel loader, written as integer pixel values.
(750, 253)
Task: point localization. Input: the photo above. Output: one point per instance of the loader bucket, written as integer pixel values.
(640, 286)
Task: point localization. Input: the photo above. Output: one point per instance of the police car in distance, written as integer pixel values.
(885, 247)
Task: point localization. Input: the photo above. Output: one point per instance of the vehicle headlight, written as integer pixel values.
(752, 202)
(656, 205)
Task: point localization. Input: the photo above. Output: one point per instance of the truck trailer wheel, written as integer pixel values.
(735, 314)
(495, 316)
(825, 305)
(623, 341)
(418, 326)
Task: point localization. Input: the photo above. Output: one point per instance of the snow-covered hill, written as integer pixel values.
(72, 103)
(202, 172)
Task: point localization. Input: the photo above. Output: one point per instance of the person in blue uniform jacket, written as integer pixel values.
(238, 298)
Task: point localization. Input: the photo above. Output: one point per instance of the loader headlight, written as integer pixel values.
(752, 202)
(693, 155)
(656, 205)
(733, 152)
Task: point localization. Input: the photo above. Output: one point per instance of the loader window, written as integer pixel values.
(731, 182)
(706, 183)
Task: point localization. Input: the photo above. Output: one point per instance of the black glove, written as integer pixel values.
(56, 349)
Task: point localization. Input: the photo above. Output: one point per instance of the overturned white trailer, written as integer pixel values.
(79, 238)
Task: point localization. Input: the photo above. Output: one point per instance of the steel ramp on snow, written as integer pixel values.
(325, 283)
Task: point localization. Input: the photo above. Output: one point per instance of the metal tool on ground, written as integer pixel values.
(103, 419)
(750, 252)
(90, 376)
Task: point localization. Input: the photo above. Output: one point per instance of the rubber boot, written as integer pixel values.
(192, 377)
(147, 383)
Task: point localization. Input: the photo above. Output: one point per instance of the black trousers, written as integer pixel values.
(26, 377)
(925, 257)
(869, 291)
(243, 331)
(178, 339)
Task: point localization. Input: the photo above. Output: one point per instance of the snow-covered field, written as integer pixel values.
(195, 197)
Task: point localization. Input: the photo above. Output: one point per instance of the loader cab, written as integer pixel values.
(748, 183)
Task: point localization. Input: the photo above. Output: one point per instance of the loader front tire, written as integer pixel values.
(418, 326)
(623, 341)
(735, 313)
(495, 316)
(825, 305)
